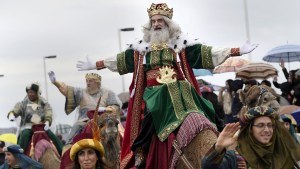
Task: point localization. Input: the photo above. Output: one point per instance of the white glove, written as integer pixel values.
(52, 77)
(46, 126)
(88, 65)
(101, 109)
(247, 47)
(11, 117)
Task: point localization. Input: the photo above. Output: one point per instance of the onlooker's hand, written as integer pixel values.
(281, 64)
(227, 137)
(52, 77)
(247, 47)
(88, 65)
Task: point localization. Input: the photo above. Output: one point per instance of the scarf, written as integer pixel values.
(281, 153)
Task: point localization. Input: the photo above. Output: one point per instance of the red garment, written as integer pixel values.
(38, 134)
(135, 112)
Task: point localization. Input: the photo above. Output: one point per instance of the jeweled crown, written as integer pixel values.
(93, 76)
(160, 9)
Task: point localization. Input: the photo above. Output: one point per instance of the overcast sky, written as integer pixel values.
(73, 29)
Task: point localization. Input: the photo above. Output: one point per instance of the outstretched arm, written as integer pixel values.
(61, 86)
(247, 47)
(110, 63)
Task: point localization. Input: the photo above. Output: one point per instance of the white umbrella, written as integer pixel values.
(287, 53)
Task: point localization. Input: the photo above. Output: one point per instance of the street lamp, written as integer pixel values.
(247, 25)
(45, 73)
(120, 48)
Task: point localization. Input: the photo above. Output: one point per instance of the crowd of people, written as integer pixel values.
(164, 94)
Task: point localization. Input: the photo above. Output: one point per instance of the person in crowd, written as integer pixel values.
(236, 86)
(262, 142)
(290, 76)
(33, 109)
(249, 84)
(163, 85)
(225, 98)
(86, 153)
(296, 89)
(208, 94)
(287, 122)
(86, 99)
(286, 93)
(2, 154)
(16, 159)
(266, 82)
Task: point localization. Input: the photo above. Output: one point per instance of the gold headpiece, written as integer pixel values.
(93, 76)
(160, 9)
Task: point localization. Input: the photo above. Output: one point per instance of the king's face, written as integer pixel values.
(158, 22)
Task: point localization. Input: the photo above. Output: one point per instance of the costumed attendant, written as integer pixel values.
(34, 110)
(87, 151)
(15, 158)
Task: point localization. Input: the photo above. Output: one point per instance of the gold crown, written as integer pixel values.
(93, 76)
(160, 9)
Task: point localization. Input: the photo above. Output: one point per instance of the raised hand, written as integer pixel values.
(227, 137)
(281, 64)
(247, 47)
(86, 65)
(11, 117)
(52, 77)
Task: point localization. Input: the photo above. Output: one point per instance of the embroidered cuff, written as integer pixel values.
(100, 65)
(235, 52)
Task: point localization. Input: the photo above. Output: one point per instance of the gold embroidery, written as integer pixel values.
(166, 75)
(159, 46)
(185, 67)
(154, 58)
(138, 97)
(183, 104)
(159, 58)
(121, 64)
(207, 62)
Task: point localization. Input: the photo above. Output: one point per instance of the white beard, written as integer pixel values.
(92, 91)
(159, 36)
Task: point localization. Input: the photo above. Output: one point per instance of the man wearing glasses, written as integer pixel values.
(263, 142)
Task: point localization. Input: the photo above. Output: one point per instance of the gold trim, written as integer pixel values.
(167, 75)
(121, 63)
(159, 46)
(207, 62)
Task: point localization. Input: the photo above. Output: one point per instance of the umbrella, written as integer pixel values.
(287, 53)
(202, 72)
(256, 71)
(296, 115)
(9, 138)
(290, 110)
(232, 64)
